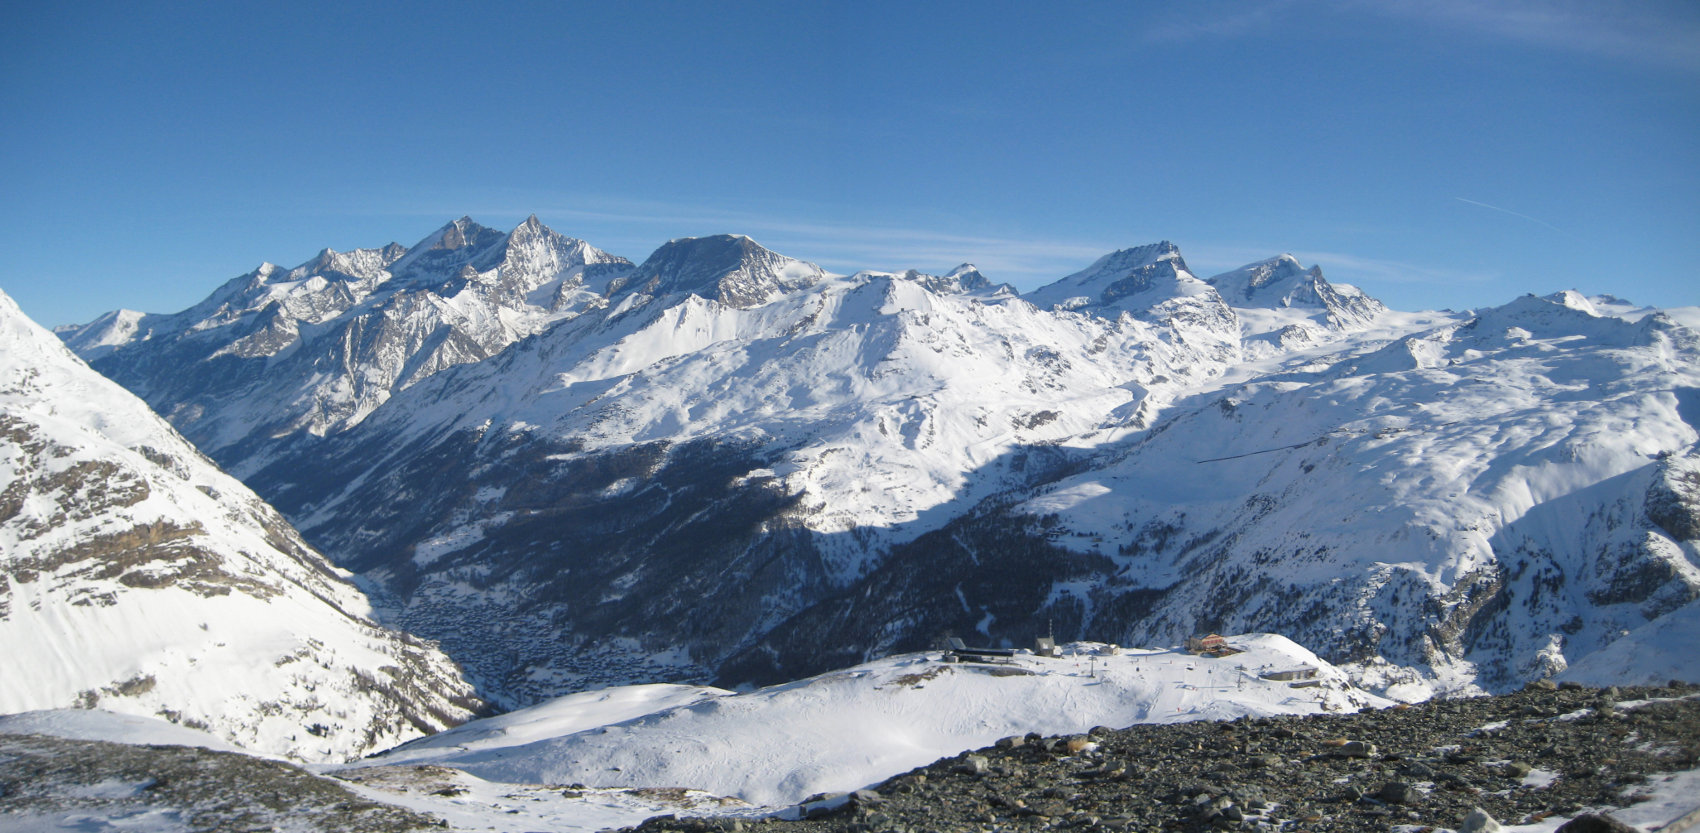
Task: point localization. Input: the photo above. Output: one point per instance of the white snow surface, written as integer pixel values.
(1659, 651)
(850, 728)
(112, 727)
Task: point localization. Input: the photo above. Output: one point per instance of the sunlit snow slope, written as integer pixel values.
(853, 727)
(1492, 499)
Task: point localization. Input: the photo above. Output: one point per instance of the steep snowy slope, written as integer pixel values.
(316, 348)
(136, 576)
(656, 484)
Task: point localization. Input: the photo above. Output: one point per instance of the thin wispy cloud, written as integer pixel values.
(1207, 260)
(844, 247)
(1217, 22)
(1664, 33)
(1355, 268)
(1026, 262)
(1535, 220)
(1660, 33)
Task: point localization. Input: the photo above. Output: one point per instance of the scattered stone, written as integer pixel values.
(1081, 744)
(972, 765)
(1398, 792)
(1355, 749)
(1595, 823)
(1478, 821)
(1418, 770)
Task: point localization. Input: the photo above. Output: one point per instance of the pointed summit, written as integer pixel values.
(534, 254)
(357, 265)
(1280, 275)
(729, 268)
(531, 227)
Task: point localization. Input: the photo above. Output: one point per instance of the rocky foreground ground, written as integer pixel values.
(1519, 758)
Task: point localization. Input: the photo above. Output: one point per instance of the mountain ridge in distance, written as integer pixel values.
(729, 465)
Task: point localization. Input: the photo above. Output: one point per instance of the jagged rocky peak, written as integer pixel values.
(969, 275)
(464, 232)
(369, 265)
(444, 251)
(535, 254)
(729, 268)
(519, 261)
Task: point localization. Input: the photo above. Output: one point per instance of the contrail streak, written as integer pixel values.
(1514, 214)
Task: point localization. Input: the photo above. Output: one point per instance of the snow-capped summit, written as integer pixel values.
(963, 280)
(1574, 300)
(1132, 279)
(138, 578)
(1151, 284)
(1282, 305)
(360, 265)
(1277, 282)
(729, 268)
(1281, 283)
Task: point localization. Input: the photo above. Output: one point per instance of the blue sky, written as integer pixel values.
(1438, 154)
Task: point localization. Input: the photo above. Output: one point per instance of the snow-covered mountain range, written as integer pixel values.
(727, 465)
(316, 348)
(138, 578)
